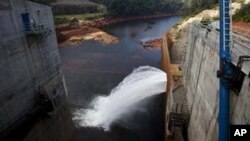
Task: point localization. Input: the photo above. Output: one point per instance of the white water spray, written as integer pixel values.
(142, 83)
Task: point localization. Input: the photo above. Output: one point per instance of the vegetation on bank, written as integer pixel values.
(128, 8)
(122, 8)
(243, 14)
(193, 7)
(64, 19)
(140, 7)
(239, 1)
(73, 9)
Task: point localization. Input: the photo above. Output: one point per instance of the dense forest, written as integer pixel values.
(195, 6)
(243, 14)
(140, 7)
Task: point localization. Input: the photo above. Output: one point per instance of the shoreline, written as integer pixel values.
(78, 31)
(110, 21)
(114, 20)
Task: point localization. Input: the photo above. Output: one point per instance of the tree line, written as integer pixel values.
(140, 7)
(149, 7)
(195, 6)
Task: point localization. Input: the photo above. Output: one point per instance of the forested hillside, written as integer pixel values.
(196, 6)
(72, 7)
(140, 7)
(243, 14)
(128, 7)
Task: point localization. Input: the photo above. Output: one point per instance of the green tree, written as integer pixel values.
(140, 7)
(243, 14)
(195, 6)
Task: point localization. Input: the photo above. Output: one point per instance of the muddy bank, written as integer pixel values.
(153, 43)
(78, 31)
(113, 20)
(68, 36)
(157, 43)
(109, 21)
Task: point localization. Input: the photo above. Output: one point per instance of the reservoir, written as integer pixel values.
(92, 69)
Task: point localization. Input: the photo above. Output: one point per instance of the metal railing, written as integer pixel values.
(210, 36)
(240, 45)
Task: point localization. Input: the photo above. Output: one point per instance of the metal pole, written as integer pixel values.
(225, 70)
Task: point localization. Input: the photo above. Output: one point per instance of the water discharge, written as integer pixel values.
(142, 83)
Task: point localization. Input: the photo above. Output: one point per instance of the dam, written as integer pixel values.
(42, 86)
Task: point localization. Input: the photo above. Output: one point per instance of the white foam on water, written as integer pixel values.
(142, 83)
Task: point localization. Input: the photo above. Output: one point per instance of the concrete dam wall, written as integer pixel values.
(33, 97)
(202, 85)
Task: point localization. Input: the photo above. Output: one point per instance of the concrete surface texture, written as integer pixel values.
(202, 85)
(27, 65)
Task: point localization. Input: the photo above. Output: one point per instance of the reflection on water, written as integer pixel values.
(92, 69)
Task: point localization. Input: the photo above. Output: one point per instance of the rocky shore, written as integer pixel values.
(78, 31)
(152, 43)
(68, 36)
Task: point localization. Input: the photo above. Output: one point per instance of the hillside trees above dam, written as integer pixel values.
(140, 7)
(72, 7)
(192, 7)
(128, 7)
(196, 6)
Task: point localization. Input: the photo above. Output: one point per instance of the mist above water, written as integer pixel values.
(142, 83)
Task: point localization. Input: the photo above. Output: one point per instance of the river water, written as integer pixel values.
(92, 69)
